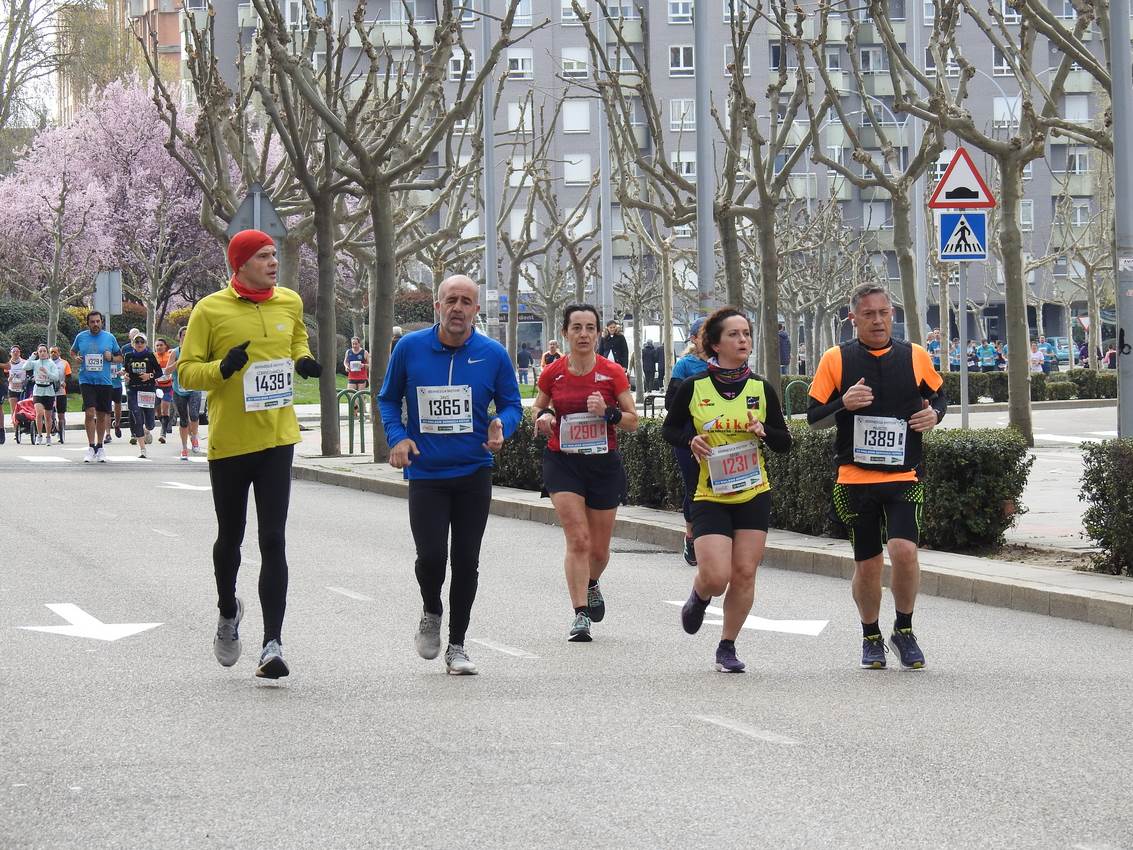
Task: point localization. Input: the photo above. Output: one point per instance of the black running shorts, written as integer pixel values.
(47, 401)
(876, 513)
(726, 519)
(98, 396)
(599, 479)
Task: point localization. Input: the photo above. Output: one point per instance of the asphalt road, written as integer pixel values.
(1013, 737)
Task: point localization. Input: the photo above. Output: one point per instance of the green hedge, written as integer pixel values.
(969, 477)
(1060, 390)
(1107, 485)
(1038, 386)
(996, 386)
(1093, 383)
(16, 313)
(29, 335)
(1086, 384)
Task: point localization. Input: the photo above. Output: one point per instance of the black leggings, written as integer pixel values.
(435, 506)
(269, 473)
(690, 473)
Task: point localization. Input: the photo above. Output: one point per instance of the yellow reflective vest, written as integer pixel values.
(219, 322)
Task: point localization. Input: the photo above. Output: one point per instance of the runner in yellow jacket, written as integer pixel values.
(244, 345)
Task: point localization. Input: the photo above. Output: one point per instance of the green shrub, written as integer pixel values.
(1038, 386)
(5, 347)
(14, 313)
(29, 335)
(977, 386)
(996, 385)
(1105, 384)
(1085, 380)
(177, 319)
(1060, 390)
(798, 400)
(1107, 485)
(969, 476)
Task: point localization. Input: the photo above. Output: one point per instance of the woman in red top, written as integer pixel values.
(582, 398)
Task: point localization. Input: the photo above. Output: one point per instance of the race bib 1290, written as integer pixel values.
(583, 434)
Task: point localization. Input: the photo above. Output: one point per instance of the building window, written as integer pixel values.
(1077, 108)
(458, 67)
(520, 63)
(523, 13)
(621, 60)
(684, 163)
(518, 175)
(519, 118)
(681, 61)
(521, 227)
(1029, 170)
(730, 61)
(467, 12)
(951, 69)
(1006, 111)
(579, 223)
(874, 60)
(621, 11)
(576, 116)
(1000, 67)
(682, 114)
(782, 56)
(576, 169)
(876, 216)
(835, 153)
(897, 10)
(1080, 213)
(1026, 216)
(1067, 11)
(680, 11)
(569, 18)
(1077, 161)
(576, 63)
(833, 58)
(1009, 14)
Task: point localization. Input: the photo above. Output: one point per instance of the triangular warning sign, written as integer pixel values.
(965, 240)
(962, 187)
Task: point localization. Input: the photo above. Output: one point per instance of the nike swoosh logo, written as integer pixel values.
(471, 361)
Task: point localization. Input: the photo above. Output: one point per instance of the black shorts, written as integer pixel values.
(61, 403)
(599, 479)
(876, 513)
(188, 407)
(721, 518)
(15, 395)
(98, 396)
(48, 401)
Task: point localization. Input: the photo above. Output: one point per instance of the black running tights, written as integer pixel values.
(436, 506)
(268, 473)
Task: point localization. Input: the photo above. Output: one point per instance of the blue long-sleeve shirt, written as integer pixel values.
(420, 360)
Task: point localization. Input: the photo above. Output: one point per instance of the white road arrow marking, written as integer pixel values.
(44, 459)
(84, 625)
(503, 647)
(813, 628)
(349, 594)
(744, 729)
(177, 485)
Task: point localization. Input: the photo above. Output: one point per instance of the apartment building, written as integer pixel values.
(1063, 195)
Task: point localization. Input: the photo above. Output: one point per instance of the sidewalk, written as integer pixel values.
(1105, 600)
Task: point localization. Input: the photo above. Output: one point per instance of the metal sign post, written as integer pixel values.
(1121, 61)
(256, 212)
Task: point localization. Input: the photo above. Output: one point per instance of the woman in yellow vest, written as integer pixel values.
(726, 417)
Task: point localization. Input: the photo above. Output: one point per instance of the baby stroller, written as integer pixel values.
(24, 419)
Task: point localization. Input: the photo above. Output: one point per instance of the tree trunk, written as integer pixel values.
(579, 278)
(666, 367)
(791, 323)
(733, 273)
(906, 262)
(383, 286)
(331, 437)
(1015, 284)
(53, 310)
(638, 372)
(769, 294)
(1094, 309)
(289, 261)
(512, 310)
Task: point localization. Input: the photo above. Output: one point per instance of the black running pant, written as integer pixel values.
(268, 473)
(436, 506)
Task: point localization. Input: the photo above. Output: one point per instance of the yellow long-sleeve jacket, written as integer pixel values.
(219, 322)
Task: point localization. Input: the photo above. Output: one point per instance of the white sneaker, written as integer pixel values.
(457, 661)
(90, 455)
(142, 453)
(48, 443)
(100, 455)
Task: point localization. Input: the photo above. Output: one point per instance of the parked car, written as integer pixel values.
(1061, 348)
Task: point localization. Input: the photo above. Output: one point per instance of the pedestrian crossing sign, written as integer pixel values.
(963, 235)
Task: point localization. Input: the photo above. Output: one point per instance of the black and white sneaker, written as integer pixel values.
(272, 665)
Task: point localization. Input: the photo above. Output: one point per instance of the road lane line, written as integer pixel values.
(350, 594)
(43, 459)
(501, 647)
(1059, 438)
(164, 533)
(749, 731)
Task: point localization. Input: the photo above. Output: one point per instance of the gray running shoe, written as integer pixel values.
(596, 603)
(226, 645)
(428, 637)
(580, 629)
(458, 662)
(272, 665)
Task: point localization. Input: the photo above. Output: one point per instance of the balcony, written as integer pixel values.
(627, 245)
(641, 135)
(875, 193)
(879, 84)
(879, 240)
(836, 29)
(804, 186)
(1079, 82)
(838, 187)
(630, 28)
(1077, 185)
(868, 34)
(246, 17)
(394, 33)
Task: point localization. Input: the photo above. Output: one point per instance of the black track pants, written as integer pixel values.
(269, 474)
(435, 507)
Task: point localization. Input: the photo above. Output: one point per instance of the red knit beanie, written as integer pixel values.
(244, 245)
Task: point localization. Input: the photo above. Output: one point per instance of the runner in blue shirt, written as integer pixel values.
(689, 365)
(97, 351)
(988, 355)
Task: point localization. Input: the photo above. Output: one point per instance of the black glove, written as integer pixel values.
(234, 360)
(308, 367)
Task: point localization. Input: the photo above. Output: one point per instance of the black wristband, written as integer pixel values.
(540, 411)
(613, 414)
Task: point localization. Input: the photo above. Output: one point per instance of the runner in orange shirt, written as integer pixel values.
(883, 395)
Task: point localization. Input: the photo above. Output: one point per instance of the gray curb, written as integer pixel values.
(800, 553)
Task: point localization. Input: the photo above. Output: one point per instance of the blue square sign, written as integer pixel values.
(963, 235)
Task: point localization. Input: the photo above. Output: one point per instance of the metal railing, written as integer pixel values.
(355, 407)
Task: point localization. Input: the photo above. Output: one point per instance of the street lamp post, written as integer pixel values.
(1122, 98)
(705, 163)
